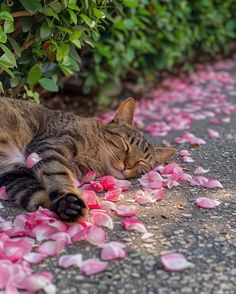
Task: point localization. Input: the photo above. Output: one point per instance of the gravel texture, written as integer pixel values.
(206, 237)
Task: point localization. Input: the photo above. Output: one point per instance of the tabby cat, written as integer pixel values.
(69, 146)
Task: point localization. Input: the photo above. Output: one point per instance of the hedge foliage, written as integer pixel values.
(102, 40)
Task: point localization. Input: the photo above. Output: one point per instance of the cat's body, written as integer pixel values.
(69, 146)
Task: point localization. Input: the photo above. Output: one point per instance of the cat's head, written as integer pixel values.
(128, 154)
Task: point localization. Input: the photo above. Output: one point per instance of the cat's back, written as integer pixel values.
(19, 114)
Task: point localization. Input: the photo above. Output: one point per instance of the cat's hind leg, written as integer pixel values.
(23, 188)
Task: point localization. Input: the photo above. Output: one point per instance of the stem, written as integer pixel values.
(21, 13)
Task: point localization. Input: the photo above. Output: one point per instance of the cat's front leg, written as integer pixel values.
(54, 174)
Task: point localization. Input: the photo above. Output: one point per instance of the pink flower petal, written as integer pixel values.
(32, 159)
(199, 181)
(37, 281)
(90, 198)
(95, 235)
(144, 197)
(113, 250)
(102, 219)
(108, 205)
(97, 187)
(133, 224)
(205, 182)
(74, 230)
(108, 182)
(90, 176)
(207, 203)
(123, 184)
(213, 134)
(66, 261)
(3, 193)
(42, 232)
(184, 153)
(187, 159)
(34, 257)
(175, 262)
(126, 210)
(200, 170)
(63, 237)
(50, 248)
(50, 289)
(213, 183)
(113, 195)
(93, 266)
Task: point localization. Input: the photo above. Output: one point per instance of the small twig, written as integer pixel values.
(27, 44)
(21, 13)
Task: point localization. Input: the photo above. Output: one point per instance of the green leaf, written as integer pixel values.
(6, 69)
(131, 3)
(31, 5)
(98, 13)
(73, 16)
(1, 87)
(3, 36)
(15, 46)
(75, 35)
(36, 97)
(9, 54)
(34, 75)
(8, 26)
(49, 84)
(88, 21)
(50, 12)
(6, 16)
(56, 6)
(62, 51)
(26, 24)
(45, 31)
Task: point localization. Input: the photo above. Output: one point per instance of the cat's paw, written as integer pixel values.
(69, 208)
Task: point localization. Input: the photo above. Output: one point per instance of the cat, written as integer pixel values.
(68, 146)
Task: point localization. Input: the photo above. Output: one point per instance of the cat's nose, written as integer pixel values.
(126, 165)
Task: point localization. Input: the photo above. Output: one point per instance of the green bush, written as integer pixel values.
(40, 40)
(104, 40)
(150, 35)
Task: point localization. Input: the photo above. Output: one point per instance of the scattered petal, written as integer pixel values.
(113, 195)
(89, 176)
(95, 235)
(108, 182)
(175, 262)
(133, 224)
(93, 266)
(66, 261)
(50, 248)
(90, 198)
(126, 210)
(102, 219)
(108, 205)
(32, 159)
(207, 203)
(113, 250)
(200, 170)
(184, 153)
(34, 257)
(213, 134)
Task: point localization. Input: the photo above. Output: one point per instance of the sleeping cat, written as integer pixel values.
(69, 146)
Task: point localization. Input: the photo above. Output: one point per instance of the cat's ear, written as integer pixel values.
(125, 113)
(164, 154)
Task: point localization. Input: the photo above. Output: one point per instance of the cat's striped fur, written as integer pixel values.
(69, 146)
